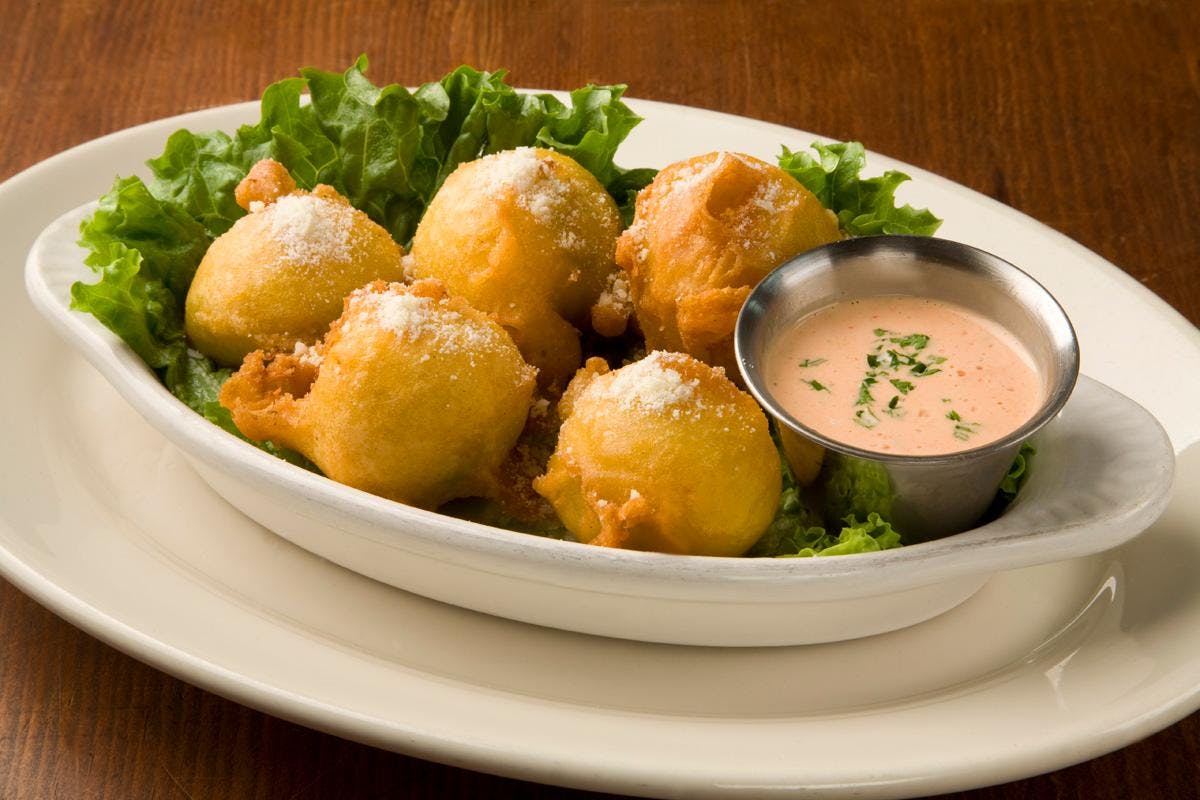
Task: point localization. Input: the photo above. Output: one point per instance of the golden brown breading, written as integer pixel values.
(529, 236)
(706, 231)
(279, 275)
(665, 454)
(266, 182)
(413, 395)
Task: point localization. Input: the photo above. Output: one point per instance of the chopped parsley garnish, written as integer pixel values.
(963, 430)
(817, 386)
(812, 362)
(914, 341)
(893, 353)
(864, 391)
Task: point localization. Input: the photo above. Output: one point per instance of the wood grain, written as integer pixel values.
(1085, 115)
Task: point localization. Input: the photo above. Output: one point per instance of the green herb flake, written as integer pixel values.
(812, 362)
(817, 386)
(904, 387)
(962, 430)
(914, 341)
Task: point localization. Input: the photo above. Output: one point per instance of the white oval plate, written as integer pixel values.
(102, 521)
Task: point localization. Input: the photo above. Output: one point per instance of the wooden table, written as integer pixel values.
(1084, 115)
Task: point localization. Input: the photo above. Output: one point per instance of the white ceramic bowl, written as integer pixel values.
(1102, 475)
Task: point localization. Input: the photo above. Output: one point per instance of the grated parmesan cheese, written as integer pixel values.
(536, 188)
(650, 384)
(310, 229)
(307, 355)
(616, 294)
(411, 316)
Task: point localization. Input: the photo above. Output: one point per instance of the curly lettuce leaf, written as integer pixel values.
(590, 129)
(864, 206)
(198, 172)
(1011, 484)
(377, 133)
(137, 307)
(388, 149)
(1018, 473)
(146, 252)
(869, 536)
(795, 525)
(854, 487)
(168, 239)
(797, 529)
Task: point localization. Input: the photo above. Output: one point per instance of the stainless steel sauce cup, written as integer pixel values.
(925, 496)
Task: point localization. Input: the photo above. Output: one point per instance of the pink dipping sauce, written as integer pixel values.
(904, 376)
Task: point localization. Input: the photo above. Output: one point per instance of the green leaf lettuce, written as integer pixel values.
(864, 206)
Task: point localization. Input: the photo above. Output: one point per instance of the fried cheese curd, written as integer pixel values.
(705, 232)
(413, 395)
(279, 275)
(664, 454)
(527, 235)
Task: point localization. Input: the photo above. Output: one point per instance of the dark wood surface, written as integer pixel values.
(1085, 115)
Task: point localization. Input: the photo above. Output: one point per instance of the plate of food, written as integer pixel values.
(262, 588)
(524, 360)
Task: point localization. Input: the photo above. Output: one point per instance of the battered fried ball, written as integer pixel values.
(528, 235)
(705, 232)
(279, 275)
(665, 454)
(413, 395)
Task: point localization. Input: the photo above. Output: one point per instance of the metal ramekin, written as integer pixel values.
(928, 496)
